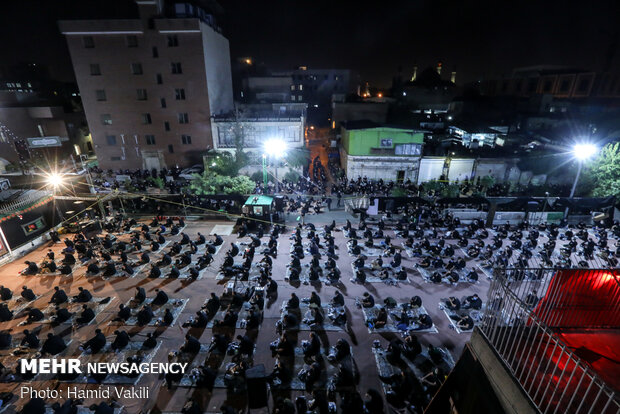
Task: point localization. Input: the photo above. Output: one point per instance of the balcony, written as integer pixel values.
(557, 332)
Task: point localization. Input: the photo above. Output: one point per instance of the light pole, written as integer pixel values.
(581, 152)
(276, 148)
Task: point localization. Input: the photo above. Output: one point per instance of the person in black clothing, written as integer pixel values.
(53, 345)
(145, 315)
(155, 272)
(168, 317)
(93, 268)
(123, 314)
(150, 342)
(140, 295)
(86, 316)
(212, 305)
(96, 343)
(293, 302)
(28, 294)
(191, 345)
(161, 298)
(373, 404)
(121, 340)
(83, 296)
(31, 268)
(5, 293)
(34, 315)
(5, 313)
(59, 296)
(30, 339)
(61, 315)
(312, 347)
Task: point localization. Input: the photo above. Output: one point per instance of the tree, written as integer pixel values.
(601, 177)
(211, 183)
(297, 157)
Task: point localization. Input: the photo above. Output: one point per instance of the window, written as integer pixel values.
(111, 139)
(173, 41)
(408, 149)
(95, 70)
(167, 126)
(100, 93)
(301, 87)
(583, 85)
(170, 148)
(183, 118)
(150, 139)
(176, 68)
(141, 94)
(132, 41)
(88, 42)
(186, 139)
(106, 119)
(155, 52)
(115, 158)
(299, 97)
(163, 102)
(159, 79)
(292, 87)
(146, 119)
(179, 94)
(136, 68)
(292, 97)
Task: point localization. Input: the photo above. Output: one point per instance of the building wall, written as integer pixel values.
(360, 141)
(204, 59)
(358, 111)
(290, 131)
(219, 74)
(380, 167)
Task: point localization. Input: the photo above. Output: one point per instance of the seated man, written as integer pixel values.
(30, 339)
(123, 314)
(161, 298)
(5, 293)
(83, 296)
(96, 343)
(473, 302)
(93, 268)
(121, 341)
(31, 268)
(150, 342)
(61, 315)
(59, 296)
(145, 315)
(140, 295)
(293, 302)
(465, 322)
(191, 345)
(86, 316)
(338, 299)
(311, 347)
(453, 303)
(28, 294)
(53, 345)
(422, 322)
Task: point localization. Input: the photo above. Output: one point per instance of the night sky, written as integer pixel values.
(375, 38)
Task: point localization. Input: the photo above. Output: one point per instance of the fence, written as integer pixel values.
(525, 321)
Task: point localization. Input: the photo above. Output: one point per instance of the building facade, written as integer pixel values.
(255, 124)
(150, 85)
(380, 152)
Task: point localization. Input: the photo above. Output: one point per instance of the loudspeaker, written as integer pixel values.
(256, 379)
(5, 184)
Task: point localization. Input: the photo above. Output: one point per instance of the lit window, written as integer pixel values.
(292, 87)
(106, 119)
(301, 87)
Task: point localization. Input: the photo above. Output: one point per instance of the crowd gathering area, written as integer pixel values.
(338, 313)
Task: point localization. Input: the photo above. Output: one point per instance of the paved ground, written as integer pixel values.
(163, 400)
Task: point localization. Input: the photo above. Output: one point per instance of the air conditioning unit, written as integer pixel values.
(5, 184)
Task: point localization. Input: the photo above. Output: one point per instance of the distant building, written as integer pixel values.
(380, 151)
(256, 124)
(150, 85)
(358, 111)
(429, 91)
(471, 135)
(316, 87)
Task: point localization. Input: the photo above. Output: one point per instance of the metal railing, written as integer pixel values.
(550, 373)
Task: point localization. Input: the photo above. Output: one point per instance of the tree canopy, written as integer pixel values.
(601, 177)
(211, 183)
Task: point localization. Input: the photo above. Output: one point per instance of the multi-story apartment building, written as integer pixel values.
(150, 85)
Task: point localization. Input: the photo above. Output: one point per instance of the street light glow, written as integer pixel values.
(275, 147)
(54, 179)
(584, 151)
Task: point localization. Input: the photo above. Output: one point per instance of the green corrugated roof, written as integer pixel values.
(260, 200)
